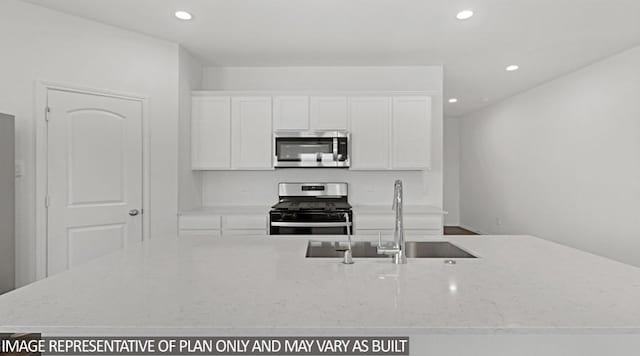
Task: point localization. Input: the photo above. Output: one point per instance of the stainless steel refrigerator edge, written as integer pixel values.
(7, 210)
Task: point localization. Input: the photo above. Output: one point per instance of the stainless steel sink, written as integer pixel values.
(435, 249)
(366, 249)
(362, 249)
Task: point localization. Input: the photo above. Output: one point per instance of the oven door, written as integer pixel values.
(307, 224)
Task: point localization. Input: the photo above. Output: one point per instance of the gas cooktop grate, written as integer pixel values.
(312, 205)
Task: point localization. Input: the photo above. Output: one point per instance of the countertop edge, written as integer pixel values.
(355, 330)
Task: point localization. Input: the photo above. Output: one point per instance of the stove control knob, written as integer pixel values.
(288, 215)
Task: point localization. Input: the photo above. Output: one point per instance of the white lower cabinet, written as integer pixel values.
(206, 224)
(373, 221)
(415, 224)
(256, 224)
(410, 233)
(422, 221)
(387, 234)
(244, 232)
(244, 225)
(210, 233)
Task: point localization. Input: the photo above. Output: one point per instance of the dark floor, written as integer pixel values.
(457, 230)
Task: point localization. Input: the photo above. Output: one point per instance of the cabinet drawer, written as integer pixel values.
(244, 222)
(199, 222)
(388, 233)
(387, 221)
(245, 232)
(205, 233)
(419, 221)
(421, 233)
(373, 233)
(378, 221)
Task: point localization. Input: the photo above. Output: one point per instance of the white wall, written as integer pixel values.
(451, 171)
(190, 183)
(220, 188)
(324, 78)
(41, 44)
(561, 161)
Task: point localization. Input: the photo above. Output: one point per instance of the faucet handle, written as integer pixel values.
(348, 257)
(386, 249)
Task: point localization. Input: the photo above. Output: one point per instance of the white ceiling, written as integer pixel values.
(545, 37)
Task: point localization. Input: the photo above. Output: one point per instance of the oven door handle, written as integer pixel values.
(304, 224)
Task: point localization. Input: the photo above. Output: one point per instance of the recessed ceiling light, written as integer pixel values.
(453, 100)
(511, 68)
(183, 15)
(464, 14)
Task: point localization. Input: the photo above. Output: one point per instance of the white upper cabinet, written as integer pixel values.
(211, 132)
(328, 113)
(251, 132)
(291, 112)
(411, 143)
(370, 132)
(235, 132)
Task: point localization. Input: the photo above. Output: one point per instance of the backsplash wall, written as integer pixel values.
(365, 187)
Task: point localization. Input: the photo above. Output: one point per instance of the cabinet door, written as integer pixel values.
(328, 112)
(211, 132)
(251, 132)
(411, 132)
(291, 112)
(370, 138)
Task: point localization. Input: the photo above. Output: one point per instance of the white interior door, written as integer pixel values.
(94, 180)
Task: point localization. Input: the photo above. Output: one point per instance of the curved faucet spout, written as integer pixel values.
(348, 254)
(398, 251)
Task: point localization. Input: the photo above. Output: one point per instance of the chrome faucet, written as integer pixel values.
(348, 254)
(397, 250)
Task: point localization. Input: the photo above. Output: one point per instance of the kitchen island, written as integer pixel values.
(520, 291)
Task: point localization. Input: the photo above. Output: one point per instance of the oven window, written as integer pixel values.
(299, 149)
(308, 230)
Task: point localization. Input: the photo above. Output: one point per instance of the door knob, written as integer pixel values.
(134, 212)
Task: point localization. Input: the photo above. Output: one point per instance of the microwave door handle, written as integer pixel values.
(335, 149)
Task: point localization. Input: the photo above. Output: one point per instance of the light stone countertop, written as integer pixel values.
(200, 285)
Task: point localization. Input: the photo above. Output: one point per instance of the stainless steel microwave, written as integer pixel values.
(322, 149)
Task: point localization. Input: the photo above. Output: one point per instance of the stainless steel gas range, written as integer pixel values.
(311, 209)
